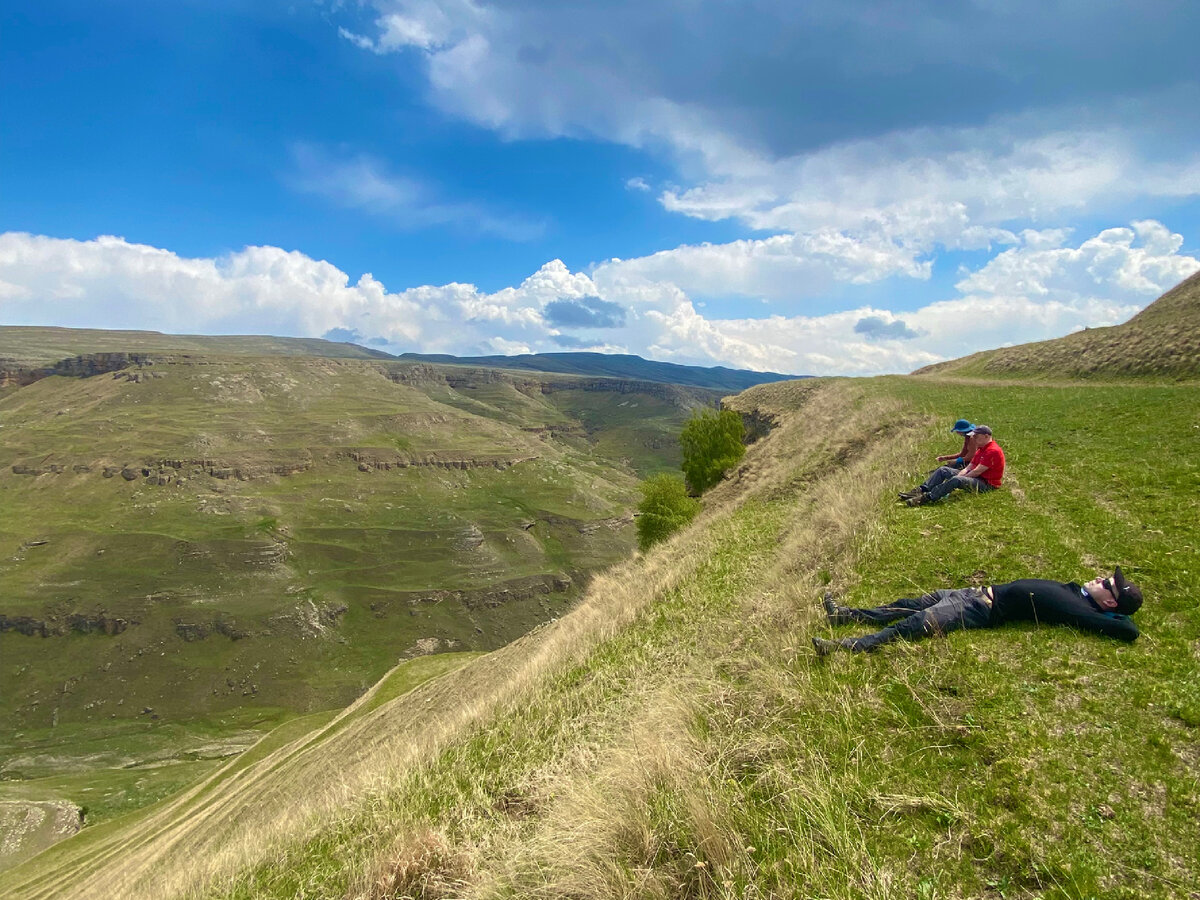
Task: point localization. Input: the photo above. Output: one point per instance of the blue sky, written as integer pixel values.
(829, 188)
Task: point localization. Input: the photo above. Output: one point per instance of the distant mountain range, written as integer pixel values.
(42, 346)
(615, 365)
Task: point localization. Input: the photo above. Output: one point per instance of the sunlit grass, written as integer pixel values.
(675, 736)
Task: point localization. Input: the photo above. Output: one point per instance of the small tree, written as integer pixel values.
(712, 443)
(665, 508)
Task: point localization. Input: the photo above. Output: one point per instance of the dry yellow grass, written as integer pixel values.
(604, 836)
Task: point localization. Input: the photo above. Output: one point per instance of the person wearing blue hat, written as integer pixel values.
(957, 461)
(985, 472)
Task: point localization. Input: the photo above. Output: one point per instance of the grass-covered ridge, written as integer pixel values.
(1162, 341)
(674, 736)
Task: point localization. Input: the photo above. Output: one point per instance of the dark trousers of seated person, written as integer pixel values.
(945, 479)
(937, 612)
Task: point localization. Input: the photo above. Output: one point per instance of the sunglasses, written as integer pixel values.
(1109, 585)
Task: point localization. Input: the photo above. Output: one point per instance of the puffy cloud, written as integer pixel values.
(781, 267)
(870, 154)
(1043, 287)
(344, 335)
(1127, 262)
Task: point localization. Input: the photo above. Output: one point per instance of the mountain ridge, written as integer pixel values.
(617, 365)
(27, 349)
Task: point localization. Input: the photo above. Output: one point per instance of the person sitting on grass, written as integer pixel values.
(1102, 605)
(960, 459)
(983, 473)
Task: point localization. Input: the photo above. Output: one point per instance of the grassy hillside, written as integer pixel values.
(194, 548)
(1162, 341)
(675, 736)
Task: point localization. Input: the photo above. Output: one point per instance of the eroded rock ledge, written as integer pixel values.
(56, 626)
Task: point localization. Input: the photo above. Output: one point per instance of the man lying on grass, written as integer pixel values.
(1102, 605)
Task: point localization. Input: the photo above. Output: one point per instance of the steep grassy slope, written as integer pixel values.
(674, 736)
(1162, 341)
(194, 547)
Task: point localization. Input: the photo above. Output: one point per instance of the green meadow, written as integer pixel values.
(675, 735)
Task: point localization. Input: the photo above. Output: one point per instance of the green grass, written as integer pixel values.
(705, 752)
(688, 743)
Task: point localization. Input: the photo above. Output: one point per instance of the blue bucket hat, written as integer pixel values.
(962, 426)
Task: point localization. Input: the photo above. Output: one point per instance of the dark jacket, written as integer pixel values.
(1039, 600)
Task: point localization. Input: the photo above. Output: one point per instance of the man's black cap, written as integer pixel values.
(1129, 595)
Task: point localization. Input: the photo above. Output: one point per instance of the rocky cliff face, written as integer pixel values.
(73, 367)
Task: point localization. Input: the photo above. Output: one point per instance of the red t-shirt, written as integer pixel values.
(992, 456)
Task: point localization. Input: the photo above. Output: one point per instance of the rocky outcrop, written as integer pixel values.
(48, 469)
(86, 366)
(100, 623)
(170, 471)
(757, 424)
(588, 527)
(511, 591)
(466, 378)
(198, 631)
(26, 625)
(56, 626)
(27, 827)
(309, 619)
(378, 460)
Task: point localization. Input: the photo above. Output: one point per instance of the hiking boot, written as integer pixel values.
(825, 647)
(837, 615)
(908, 495)
(917, 500)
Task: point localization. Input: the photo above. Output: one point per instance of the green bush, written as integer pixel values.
(665, 508)
(712, 443)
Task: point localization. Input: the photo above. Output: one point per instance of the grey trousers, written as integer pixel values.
(944, 479)
(937, 612)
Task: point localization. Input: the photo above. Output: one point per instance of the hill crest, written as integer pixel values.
(1161, 341)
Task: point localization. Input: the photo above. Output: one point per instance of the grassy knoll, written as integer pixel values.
(675, 736)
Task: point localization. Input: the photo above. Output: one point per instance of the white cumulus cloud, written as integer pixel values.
(1044, 286)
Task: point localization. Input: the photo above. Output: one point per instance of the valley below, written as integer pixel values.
(198, 545)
